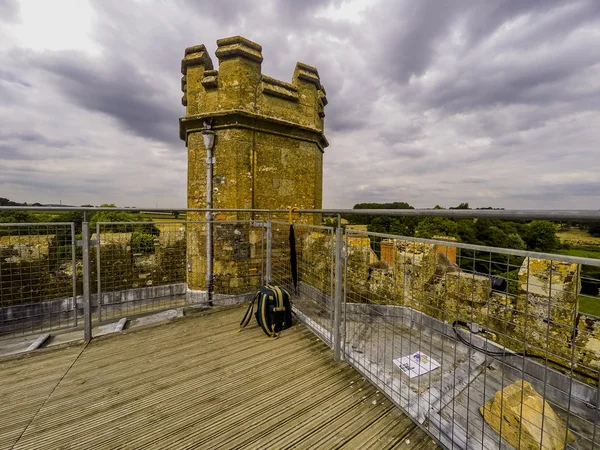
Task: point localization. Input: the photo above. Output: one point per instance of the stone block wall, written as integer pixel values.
(29, 270)
(316, 260)
(121, 268)
(541, 320)
(269, 139)
(237, 258)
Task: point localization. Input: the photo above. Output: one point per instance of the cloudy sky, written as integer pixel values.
(496, 103)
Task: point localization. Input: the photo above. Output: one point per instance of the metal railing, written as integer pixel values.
(484, 347)
(39, 277)
(484, 320)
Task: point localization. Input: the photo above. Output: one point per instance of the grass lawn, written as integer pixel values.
(589, 305)
(578, 237)
(581, 253)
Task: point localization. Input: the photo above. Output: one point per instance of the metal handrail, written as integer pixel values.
(581, 215)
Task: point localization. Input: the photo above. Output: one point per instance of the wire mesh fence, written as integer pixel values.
(312, 293)
(152, 266)
(38, 277)
(138, 267)
(485, 347)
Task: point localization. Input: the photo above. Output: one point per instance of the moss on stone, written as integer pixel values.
(269, 137)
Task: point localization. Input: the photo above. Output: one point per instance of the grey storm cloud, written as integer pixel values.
(429, 102)
(9, 11)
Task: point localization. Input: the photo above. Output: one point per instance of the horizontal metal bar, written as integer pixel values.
(484, 248)
(132, 210)
(505, 214)
(138, 223)
(32, 224)
(304, 225)
(216, 221)
(79, 242)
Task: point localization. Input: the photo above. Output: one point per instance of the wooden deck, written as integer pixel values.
(196, 383)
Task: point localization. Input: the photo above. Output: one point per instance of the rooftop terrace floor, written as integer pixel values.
(196, 382)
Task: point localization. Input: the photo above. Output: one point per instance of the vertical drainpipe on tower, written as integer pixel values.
(208, 136)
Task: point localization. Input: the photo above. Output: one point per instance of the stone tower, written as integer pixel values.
(269, 139)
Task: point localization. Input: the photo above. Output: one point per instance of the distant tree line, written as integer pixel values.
(142, 235)
(539, 235)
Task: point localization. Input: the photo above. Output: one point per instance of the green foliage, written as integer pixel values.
(7, 202)
(72, 216)
(512, 278)
(331, 222)
(515, 242)
(393, 205)
(461, 206)
(392, 225)
(14, 216)
(143, 242)
(594, 229)
(436, 226)
(365, 220)
(581, 252)
(540, 236)
(118, 216)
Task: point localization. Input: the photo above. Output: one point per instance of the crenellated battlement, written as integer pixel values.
(268, 141)
(238, 86)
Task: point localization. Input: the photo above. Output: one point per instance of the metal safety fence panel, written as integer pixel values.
(143, 267)
(137, 267)
(39, 270)
(312, 294)
(486, 348)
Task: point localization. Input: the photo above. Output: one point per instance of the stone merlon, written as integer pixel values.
(239, 93)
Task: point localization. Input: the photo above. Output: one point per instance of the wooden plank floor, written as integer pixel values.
(196, 383)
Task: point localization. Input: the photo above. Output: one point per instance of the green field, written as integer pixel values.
(579, 238)
(582, 253)
(588, 304)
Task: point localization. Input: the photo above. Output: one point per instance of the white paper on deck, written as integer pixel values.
(416, 364)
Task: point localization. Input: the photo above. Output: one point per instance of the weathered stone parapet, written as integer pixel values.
(552, 281)
(459, 296)
(546, 309)
(238, 46)
(415, 266)
(361, 258)
(525, 420)
(27, 266)
(587, 345)
(239, 86)
(269, 140)
(26, 249)
(317, 264)
(193, 66)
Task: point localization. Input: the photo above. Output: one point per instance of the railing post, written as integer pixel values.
(74, 268)
(337, 303)
(269, 249)
(87, 309)
(98, 279)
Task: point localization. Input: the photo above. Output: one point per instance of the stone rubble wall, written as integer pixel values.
(542, 319)
(30, 270)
